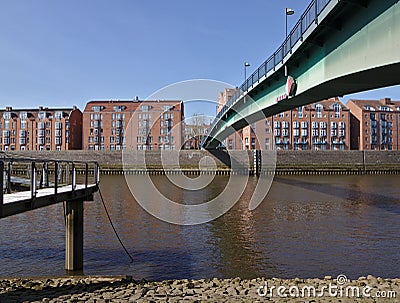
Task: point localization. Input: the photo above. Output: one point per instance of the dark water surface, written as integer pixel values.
(307, 226)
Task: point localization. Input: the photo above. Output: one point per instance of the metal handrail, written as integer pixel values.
(310, 16)
(60, 169)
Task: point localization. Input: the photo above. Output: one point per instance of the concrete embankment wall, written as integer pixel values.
(287, 162)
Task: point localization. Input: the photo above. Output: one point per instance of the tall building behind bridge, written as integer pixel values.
(42, 128)
(324, 125)
(375, 124)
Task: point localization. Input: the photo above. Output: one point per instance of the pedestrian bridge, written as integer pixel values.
(337, 47)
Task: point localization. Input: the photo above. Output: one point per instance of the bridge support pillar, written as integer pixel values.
(74, 235)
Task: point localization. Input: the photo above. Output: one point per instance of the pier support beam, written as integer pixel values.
(74, 235)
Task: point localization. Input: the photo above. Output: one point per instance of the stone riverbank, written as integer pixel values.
(124, 289)
(287, 162)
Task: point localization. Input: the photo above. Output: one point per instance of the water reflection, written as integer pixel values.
(307, 226)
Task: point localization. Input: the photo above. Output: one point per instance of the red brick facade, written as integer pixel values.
(40, 129)
(133, 124)
(375, 124)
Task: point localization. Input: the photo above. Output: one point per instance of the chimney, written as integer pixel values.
(8, 108)
(40, 107)
(386, 101)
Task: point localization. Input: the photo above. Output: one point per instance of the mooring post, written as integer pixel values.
(74, 235)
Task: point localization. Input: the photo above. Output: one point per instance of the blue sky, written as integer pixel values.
(62, 53)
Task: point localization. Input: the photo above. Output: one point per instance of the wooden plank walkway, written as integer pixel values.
(19, 202)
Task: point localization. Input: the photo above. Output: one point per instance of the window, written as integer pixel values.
(267, 144)
(285, 124)
(314, 124)
(58, 115)
(23, 124)
(385, 108)
(315, 132)
(285, 132)
(304, 124)
(318, 109)
(296, 124)
(145, 108)
(23, 115)
(277, 132)
(119, 108)
(41, 115)
(7, 115)
(337, 109)
(97, 108)
(277, 124)
(296, 132)
(333, 125)
(300, 111)
(304, 133)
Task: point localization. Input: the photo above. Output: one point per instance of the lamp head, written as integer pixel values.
(289, 11)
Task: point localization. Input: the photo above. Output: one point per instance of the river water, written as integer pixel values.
(307, 226)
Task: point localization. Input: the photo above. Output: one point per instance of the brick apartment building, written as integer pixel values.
(133, 124)
(40, 129)
(324, 125)
(375, 124)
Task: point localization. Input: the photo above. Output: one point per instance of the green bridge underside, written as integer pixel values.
(354, 47)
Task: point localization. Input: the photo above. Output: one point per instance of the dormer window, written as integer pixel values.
(7, 115)
(119, 108)
(318, 109)
(337, 109)
(97, 108)
(58, 115)
(23, 115)
(42, 115)
(385, 108)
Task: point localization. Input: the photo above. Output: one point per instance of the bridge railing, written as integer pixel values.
(23, 174)
(309, 17)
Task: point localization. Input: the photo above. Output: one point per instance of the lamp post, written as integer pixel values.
(288, 12)
(246, 65)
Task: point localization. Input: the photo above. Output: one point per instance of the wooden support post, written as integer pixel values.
(74, 235)
(2, 187)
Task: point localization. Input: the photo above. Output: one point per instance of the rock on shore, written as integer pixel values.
(124, 289)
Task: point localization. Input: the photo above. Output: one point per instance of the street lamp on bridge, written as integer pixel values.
(288, 12)
(246, 65)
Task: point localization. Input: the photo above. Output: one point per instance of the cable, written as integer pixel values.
(113, 227)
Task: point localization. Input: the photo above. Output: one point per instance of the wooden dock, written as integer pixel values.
(49, 182)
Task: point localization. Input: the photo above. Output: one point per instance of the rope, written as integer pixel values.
(113, 227)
